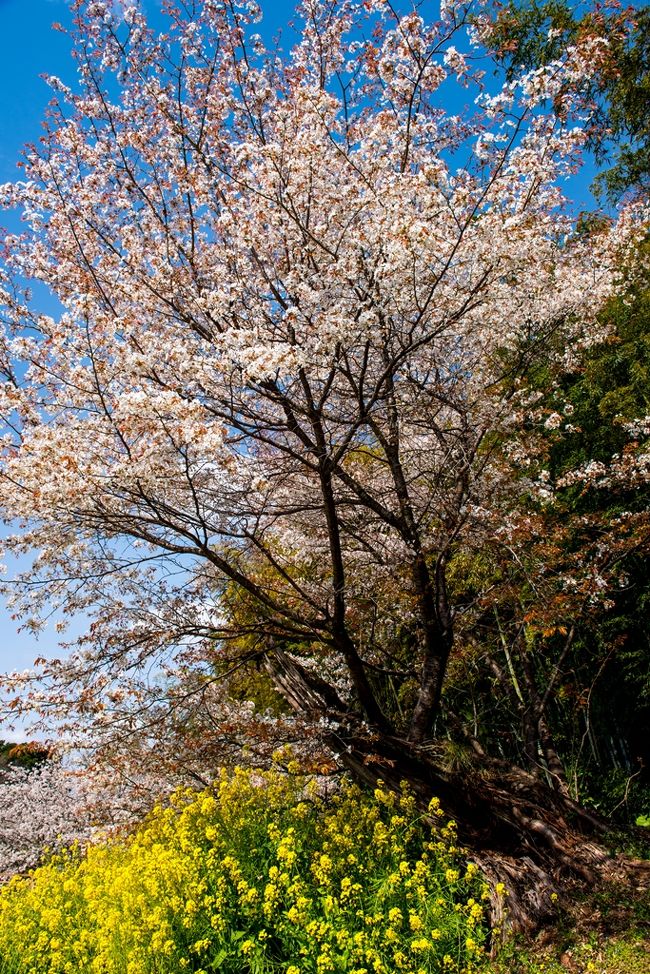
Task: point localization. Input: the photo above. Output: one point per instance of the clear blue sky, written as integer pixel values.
(28, 47)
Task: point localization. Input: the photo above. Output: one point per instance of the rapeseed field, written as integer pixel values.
(256, 875)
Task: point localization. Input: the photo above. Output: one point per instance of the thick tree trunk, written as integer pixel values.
(534, 840)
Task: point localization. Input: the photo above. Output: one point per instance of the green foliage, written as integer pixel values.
(620, 137)
(613, 385)
(28, 755)
(253, 876)
(516, 643)
(612, 654)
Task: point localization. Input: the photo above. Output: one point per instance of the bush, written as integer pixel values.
(257, 874)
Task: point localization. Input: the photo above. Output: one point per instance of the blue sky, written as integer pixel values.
(28, 47)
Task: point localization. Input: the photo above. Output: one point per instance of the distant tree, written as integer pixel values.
(25, 755)
(40, 806)
(291, 397)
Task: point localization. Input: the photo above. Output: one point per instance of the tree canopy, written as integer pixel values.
(534, 33)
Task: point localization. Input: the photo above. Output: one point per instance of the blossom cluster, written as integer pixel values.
(40, 808)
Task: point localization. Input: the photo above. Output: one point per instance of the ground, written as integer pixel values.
(606, 933)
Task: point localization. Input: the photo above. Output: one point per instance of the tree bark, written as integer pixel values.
(534, 840)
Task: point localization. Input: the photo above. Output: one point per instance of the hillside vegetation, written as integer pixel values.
(266, 872)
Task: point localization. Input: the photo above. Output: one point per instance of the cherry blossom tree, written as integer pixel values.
(289, 383)
(39, 808)
(56, 805)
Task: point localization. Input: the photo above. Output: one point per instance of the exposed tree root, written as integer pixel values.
(536, 846)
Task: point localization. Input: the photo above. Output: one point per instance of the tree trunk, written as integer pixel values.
(535, 840)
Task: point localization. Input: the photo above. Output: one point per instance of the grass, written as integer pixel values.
(604, 932)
